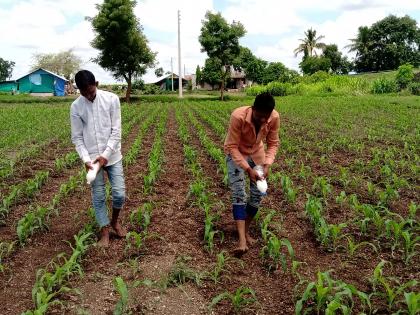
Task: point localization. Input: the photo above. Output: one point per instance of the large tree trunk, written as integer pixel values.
(128, 92)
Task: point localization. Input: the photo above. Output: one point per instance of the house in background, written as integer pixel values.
(8, 86)
(236, 81)
(165, 83)
(42, 82)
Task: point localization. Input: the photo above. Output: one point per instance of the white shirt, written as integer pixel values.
(96, 127)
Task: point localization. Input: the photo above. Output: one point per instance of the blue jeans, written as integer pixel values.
(237, 185)
(116, 178)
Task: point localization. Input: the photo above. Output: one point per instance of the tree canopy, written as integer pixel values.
(65, 63)
(220, 40)
(387, 44)
(309, 44)
(6, 69)
(123, 48)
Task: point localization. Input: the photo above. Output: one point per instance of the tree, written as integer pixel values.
(273, 72)
(339, 64)
(310, 65)
(220, 41)
(65, 63)
(253, 66)
(309, 44)
(6, 69)
(198, 75)
(211, 71)
(361, 45)
(387, 44)
(123, 48)
(159, 72)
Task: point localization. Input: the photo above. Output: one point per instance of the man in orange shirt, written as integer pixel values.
(248, 127)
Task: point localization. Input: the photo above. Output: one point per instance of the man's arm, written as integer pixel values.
(115, 137)
(273, 142)
(77, 135)
(232, 142)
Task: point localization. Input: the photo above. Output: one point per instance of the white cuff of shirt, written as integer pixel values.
(86, 159)
(107, 153)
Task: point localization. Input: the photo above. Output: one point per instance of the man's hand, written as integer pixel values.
(101, 160)
(266, 170)
(88, 166)
(253, 175)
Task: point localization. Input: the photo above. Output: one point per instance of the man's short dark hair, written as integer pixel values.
(84, 78)
(264, 103)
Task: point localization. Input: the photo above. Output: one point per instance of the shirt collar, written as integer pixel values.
(248, 117)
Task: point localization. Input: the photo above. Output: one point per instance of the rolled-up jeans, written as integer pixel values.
(116, 178)
(237, 184)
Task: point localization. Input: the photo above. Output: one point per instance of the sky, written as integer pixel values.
(273, 28)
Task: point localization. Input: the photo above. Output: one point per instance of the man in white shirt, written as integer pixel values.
(96, 132)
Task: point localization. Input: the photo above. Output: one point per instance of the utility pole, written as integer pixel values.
(172, 74)
(179, 55)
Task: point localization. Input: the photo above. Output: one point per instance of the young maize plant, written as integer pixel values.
(212, 149)
(221, 267)
(6, 248)
(389, 288)
(328, 296)
(241, 299)
(132, 154)
(265, 224)
(26, 189)
(327, 234)
(352, 247)
(156, 156)
(122, 305)
(68, 161)
(37, 219)
(322, 187)
(272, 252)
(341, 198)
(141, 216)
(288, 190)
(49, 285)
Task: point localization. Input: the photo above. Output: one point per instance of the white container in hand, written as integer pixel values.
(261, 184)
(91, 174)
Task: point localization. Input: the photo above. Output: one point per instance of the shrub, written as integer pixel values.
(383, 85)
(151, 89)
(414, 88)
(404, 75)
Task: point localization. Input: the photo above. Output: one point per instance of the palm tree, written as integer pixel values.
(309, 44)
(362, 42)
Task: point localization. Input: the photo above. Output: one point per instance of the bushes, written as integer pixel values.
(151, 89)
(275, 88)
(404, 75)
(383, 85)
(414, 88)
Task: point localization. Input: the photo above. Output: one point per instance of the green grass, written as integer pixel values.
(376, 75)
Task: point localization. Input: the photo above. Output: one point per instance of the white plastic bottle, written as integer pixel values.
(261, 184)
(91, 174)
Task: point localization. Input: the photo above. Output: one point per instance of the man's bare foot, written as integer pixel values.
(241, 249)
(251, 241)
(119, 229)
(104, 240)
